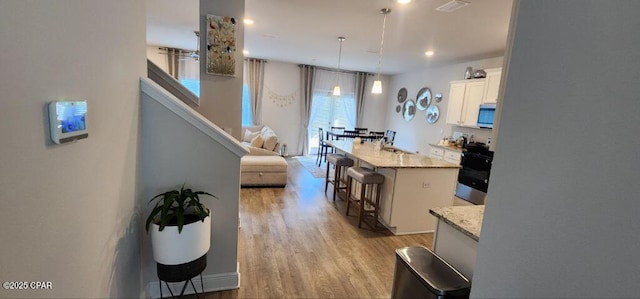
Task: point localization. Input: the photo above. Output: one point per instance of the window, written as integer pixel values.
(327, 110)
(189, 74)
(246, 106)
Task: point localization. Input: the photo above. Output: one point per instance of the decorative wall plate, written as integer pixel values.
(433, 113)
(438, 97)
(409, 110)
(423, 99)
(398, 108)
(402, 95)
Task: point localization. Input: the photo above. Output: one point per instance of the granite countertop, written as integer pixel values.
(448, 147)
(467, 219)
(385, 159)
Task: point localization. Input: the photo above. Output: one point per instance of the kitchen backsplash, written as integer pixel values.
(479, 135)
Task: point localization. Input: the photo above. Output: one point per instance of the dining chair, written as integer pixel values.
(361, 131)
(390, 136)
(376, 135)
(350, 133)
(323, 147)
(337, 130)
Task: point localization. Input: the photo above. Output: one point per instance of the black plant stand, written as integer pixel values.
(183, 272)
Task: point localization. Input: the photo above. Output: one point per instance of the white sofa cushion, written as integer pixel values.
(270, 138)
(257, 141)
(249, 135)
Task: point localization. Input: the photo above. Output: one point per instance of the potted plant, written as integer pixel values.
(180, 226)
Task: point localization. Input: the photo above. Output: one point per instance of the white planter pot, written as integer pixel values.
(173, 248)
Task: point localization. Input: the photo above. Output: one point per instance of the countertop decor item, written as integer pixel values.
(180, 226)
(402, 95)
(433, 113)
(468, 73)
(479, 74)
(409, 110)
(423, 99)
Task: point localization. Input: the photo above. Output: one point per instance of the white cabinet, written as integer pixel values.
(492, 86)
(451, 156)
(436, 153)
(465, 98)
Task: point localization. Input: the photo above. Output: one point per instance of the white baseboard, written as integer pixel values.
(212, 283)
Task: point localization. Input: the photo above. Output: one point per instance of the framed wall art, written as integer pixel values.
(221, 45)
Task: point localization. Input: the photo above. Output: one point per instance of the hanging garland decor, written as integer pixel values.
(281, 100)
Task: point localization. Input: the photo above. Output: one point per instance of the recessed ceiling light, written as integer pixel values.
(403, 1)
(245, 52)
(452, 5)
(248, 21)
(429, 53)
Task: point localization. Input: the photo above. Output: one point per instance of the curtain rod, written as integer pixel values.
(256, 59)
(334, 70)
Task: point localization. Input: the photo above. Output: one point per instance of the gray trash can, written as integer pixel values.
(420, 273)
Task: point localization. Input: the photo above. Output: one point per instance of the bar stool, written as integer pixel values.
(366, 178)
(339, 161)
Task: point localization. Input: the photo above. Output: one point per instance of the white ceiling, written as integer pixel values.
(306, 31)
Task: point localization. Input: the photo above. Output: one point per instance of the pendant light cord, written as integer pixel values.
(341, 39)
(384, 22)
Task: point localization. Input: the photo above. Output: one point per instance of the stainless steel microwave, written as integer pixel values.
(486, 115)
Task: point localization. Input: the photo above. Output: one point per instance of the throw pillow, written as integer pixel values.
(270, 140)
(248, 135)
(257, 141)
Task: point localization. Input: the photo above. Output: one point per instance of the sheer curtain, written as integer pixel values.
(254, 77)
(328, 110)
(189, 74)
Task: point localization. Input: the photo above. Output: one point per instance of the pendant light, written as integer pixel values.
(336, 89)
(377, 84)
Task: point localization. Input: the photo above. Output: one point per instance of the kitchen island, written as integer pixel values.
(457, 235)
(413, 184)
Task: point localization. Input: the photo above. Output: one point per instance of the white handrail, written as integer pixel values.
(171, 102)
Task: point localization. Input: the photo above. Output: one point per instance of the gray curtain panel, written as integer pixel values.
(173, 62)
(307, 73)
(361, 83)
(255, 80)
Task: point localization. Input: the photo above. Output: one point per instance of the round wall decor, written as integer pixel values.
(402, 95)
(438, 97)
(433, 113)
(409, 110)
(398, 108)
(423, 98)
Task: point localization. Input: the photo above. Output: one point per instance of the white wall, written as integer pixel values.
(417, 134)
(69, 211)
(175, 152)
(282, 79)
(153, 54)
(562, 216)
(220, 96)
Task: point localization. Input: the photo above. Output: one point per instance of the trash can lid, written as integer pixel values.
(434, 272)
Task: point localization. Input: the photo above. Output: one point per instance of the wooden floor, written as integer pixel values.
(295, 242)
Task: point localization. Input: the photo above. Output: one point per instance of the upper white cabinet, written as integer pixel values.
(465, 98)
(492, 86)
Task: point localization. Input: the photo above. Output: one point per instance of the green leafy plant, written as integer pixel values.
(177, 206)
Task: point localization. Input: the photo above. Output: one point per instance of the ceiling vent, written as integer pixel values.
(452, 6)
